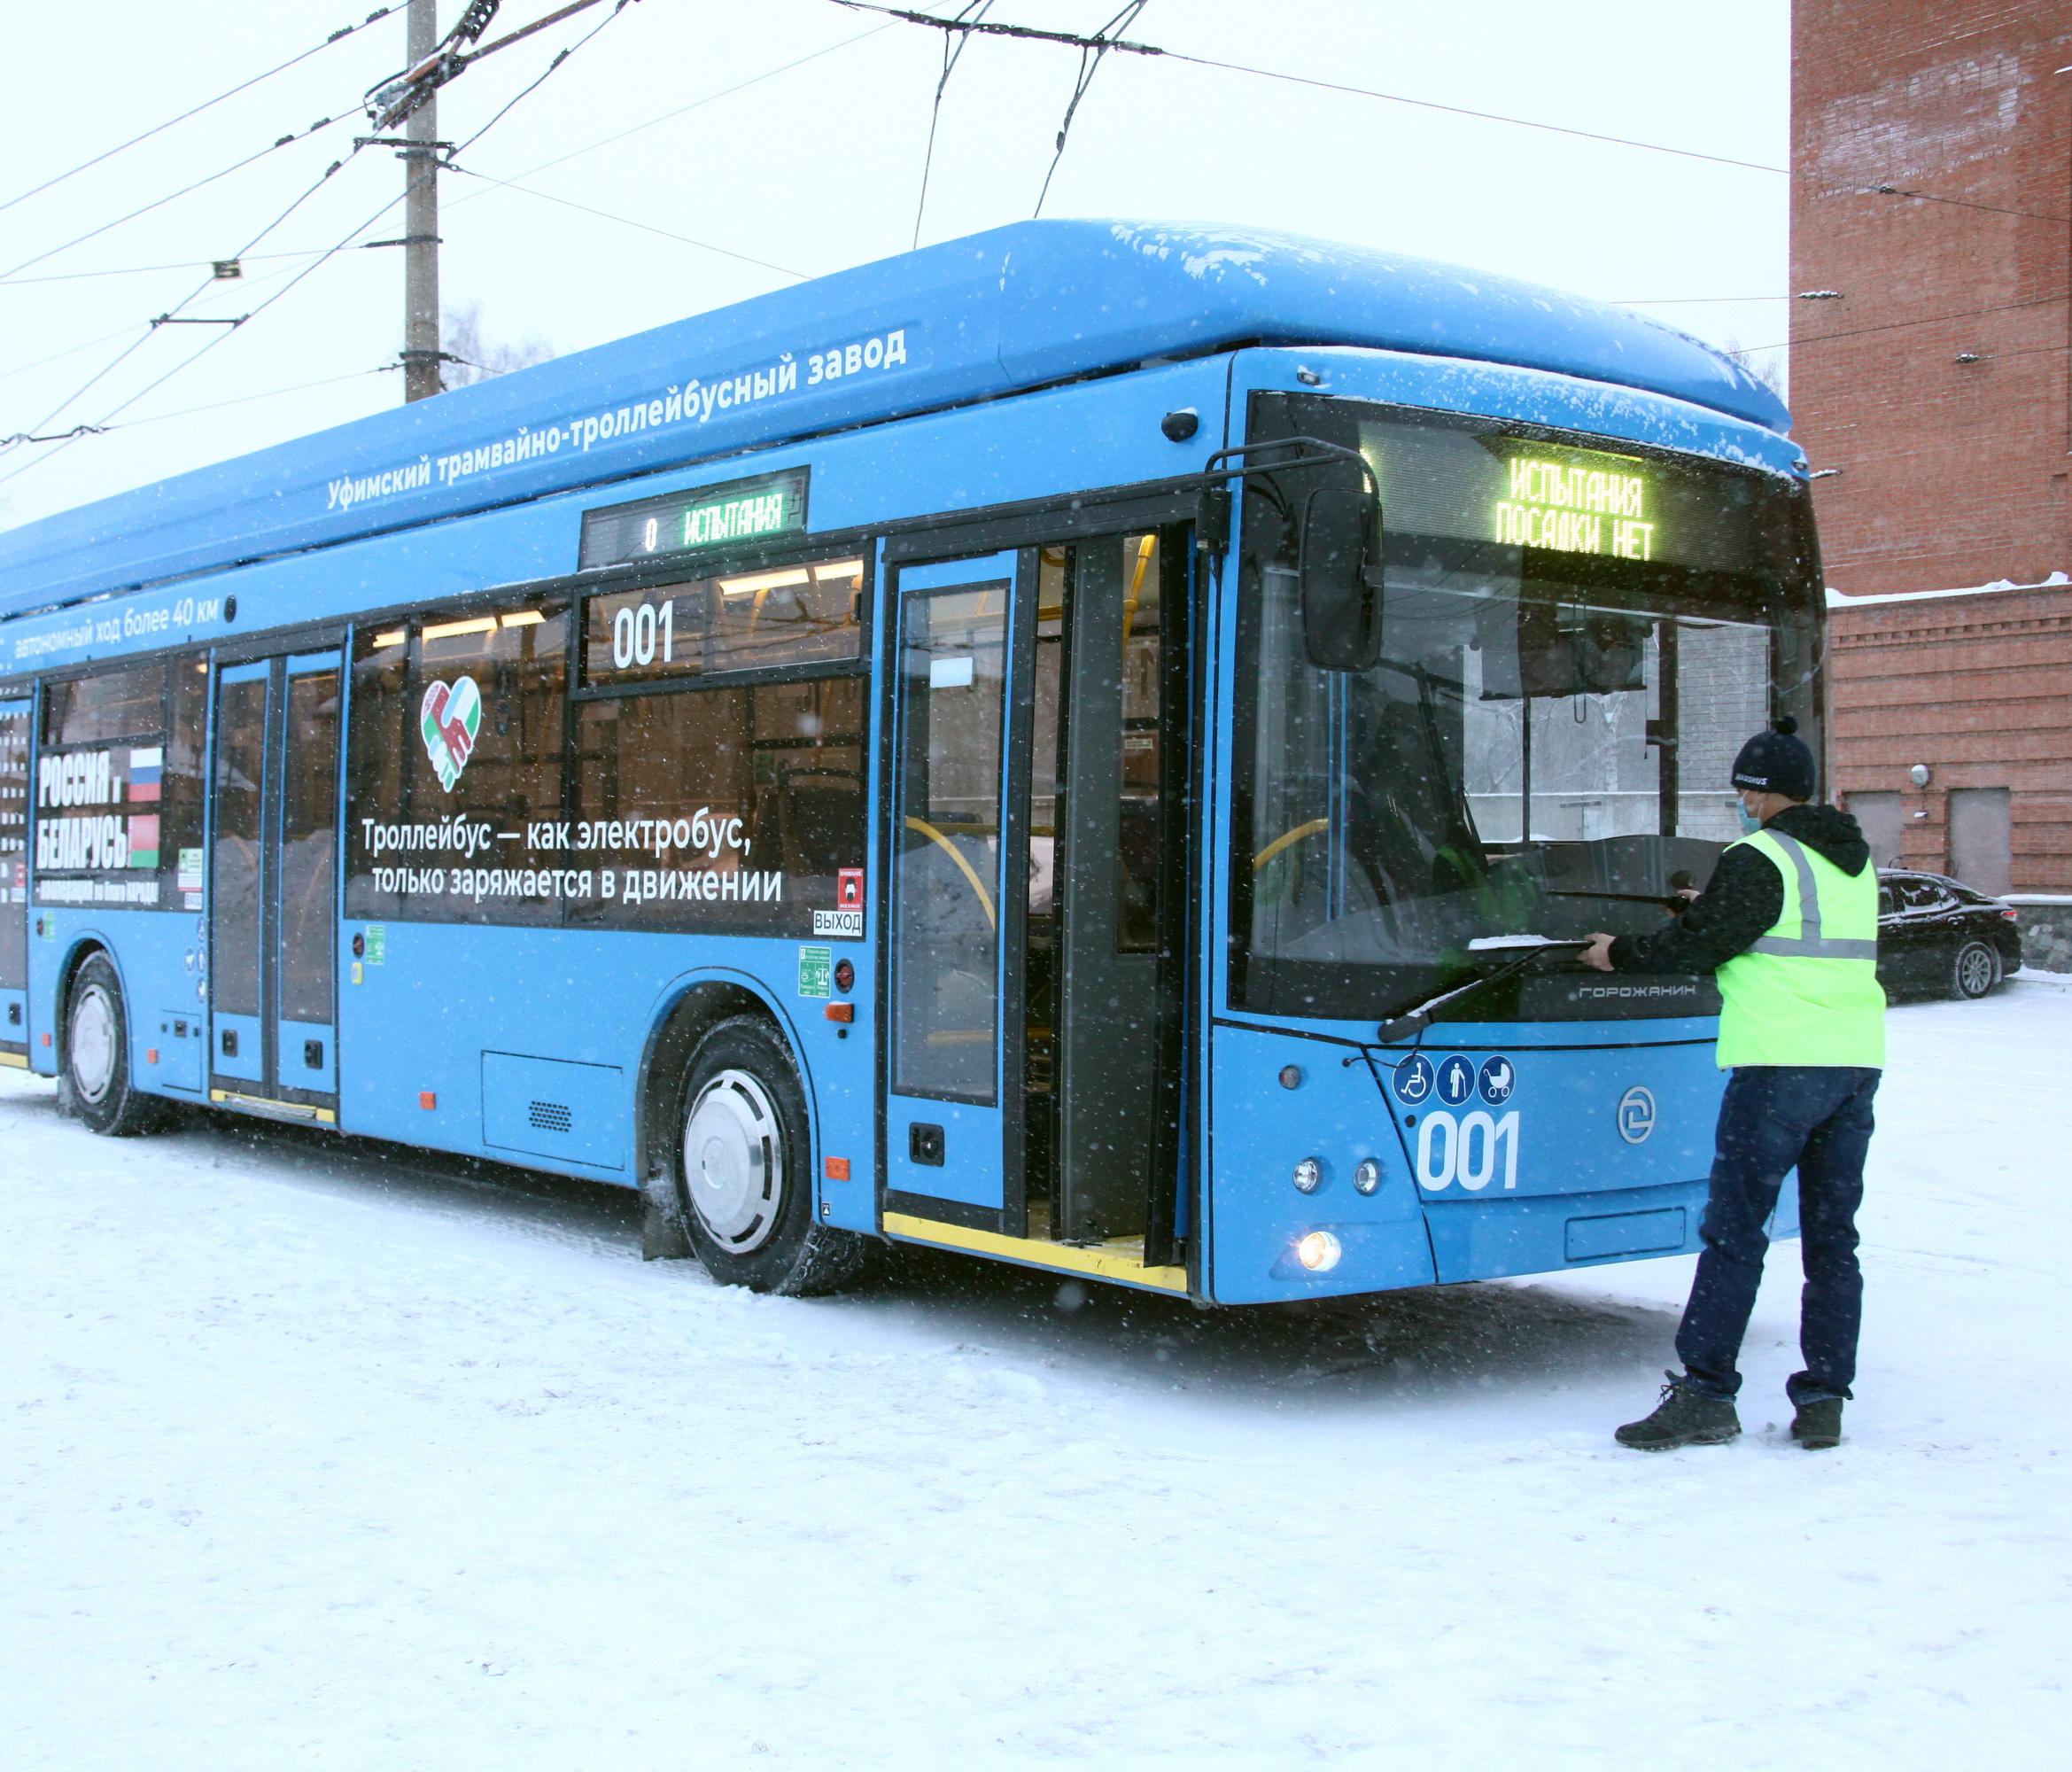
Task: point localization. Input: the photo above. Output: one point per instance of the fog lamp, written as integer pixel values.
(1308, 1176)
(1366, 1177)
(1319, 1251)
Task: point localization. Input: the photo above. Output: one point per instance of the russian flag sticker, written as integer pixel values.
(146, 769)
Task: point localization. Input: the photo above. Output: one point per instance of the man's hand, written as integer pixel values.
(1598, 953)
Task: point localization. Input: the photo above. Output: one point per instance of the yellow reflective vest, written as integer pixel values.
(1807, 992)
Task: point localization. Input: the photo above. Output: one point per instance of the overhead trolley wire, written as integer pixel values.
(1099, 42)
(547, 74)
(628, 221)
(337, 37)
(173, 313)
(188, 363)
(1925, 320)
(696, 104)
(64, 440)
(1090, 63)
(140, 270)
(288, 140)
(953, 48)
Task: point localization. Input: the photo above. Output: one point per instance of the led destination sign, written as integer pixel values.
(1577, 507)
(692, 522)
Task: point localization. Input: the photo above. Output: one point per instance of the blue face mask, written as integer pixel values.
(1750, 823)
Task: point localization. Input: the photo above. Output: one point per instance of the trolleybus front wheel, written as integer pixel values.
(743, 1173)
(94, 1086)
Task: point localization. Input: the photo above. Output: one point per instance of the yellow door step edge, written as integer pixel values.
(1109, 1262)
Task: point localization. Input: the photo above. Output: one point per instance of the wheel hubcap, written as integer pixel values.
(1978, 971)
(91, 1044)
(733, 1161)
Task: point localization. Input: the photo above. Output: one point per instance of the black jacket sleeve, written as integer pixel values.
(1745, 898)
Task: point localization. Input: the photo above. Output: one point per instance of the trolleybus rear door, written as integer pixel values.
(954, 1057)
(273, 887)
(14, 734)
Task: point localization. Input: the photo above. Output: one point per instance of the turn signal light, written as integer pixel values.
(840, 1011)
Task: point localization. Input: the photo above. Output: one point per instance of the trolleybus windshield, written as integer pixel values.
(1575, 642)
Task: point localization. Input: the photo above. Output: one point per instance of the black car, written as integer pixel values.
(1938, 934)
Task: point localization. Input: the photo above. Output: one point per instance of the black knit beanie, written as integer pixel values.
(1774, 762)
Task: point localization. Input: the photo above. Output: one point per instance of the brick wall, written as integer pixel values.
(1952, 473)
(1980, 689)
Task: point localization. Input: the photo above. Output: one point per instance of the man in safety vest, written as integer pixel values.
(1789, 924)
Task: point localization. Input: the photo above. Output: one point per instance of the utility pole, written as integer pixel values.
(421, 357)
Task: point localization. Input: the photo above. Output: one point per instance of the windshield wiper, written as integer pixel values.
(1669, 901)
(1415, 1019)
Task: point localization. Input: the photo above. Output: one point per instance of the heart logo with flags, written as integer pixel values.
(449, 718)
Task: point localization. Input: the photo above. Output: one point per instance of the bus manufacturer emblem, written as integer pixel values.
(448, 719)
(1636, 1115)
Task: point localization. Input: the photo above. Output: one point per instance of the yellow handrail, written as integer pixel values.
(1146, 548)
(957, 855)
(1285, 839)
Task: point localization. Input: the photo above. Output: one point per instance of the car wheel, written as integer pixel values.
(94, 1085)
(1975, 970)
(743, 1167)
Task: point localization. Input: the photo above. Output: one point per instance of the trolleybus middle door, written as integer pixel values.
(273, 896)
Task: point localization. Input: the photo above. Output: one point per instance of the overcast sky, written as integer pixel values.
(812, 169)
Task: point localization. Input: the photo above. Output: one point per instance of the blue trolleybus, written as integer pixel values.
(1078, 745)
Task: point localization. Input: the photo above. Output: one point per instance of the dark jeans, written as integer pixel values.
(1817, 1118)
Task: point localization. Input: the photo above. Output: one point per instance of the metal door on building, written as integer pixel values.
(1982, 838)
(1881, 818)
(272, 896)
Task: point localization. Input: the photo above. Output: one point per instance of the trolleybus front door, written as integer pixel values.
(954, 1058)
(1106, 1164)
(273, 893)
(14, 732)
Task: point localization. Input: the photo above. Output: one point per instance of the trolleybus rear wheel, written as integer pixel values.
(743, 1172)
(95, 1084)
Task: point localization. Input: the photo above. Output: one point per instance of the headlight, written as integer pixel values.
(1308, 1176)
(1319, 1251)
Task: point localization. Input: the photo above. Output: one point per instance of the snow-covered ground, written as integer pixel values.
(341, 1457)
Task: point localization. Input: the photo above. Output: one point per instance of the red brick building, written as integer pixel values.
(1932, 141)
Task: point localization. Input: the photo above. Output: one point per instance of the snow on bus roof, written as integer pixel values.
(1017, 307)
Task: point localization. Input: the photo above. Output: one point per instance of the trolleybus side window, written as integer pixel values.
(770, 618)
(118, 787)
(109, 705)
(728, 808)
(457, 730)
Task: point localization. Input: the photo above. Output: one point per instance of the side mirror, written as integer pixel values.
(1340, 564)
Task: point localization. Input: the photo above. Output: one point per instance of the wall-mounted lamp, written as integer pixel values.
(1819, 295)
(1920, 775)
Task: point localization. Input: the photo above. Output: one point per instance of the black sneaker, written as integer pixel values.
(1818, 1425)
(1683, 1417)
